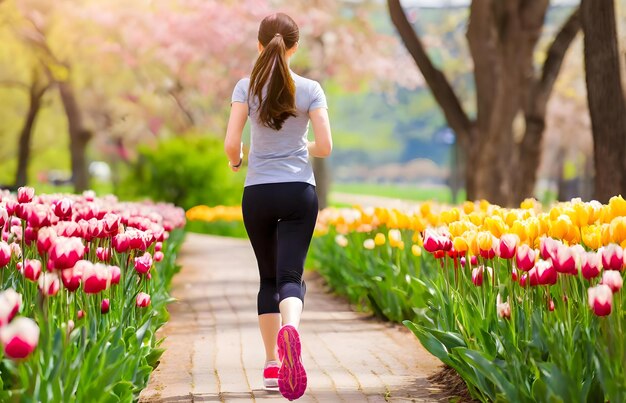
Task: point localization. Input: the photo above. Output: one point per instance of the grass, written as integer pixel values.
(397, 191)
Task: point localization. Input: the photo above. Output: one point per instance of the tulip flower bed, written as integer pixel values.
(525, 305)
(218, 220)
(83, 288)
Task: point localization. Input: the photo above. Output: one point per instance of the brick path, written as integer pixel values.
(214, 351)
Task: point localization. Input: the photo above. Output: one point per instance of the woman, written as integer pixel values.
(279, 200)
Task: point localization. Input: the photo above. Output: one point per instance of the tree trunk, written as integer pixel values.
(607, 107)
(502, 37)
(79, 137)
(36, 93)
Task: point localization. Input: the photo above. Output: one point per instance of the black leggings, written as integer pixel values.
(280, 219)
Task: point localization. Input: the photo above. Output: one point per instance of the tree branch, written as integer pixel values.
(436, 80)
(556, 54)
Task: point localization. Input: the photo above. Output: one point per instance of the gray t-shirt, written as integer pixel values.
(281, 156)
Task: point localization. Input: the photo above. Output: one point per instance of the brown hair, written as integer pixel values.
(277, 33)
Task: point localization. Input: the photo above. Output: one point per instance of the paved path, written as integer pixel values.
(214, 349)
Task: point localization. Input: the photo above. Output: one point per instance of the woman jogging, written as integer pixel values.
(279, 200)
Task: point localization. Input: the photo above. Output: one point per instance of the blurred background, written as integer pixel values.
(429, 99)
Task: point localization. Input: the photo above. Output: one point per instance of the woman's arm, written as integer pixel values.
(232, 142)
(323, 144)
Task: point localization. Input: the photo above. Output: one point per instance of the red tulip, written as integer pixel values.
(477, 275)
(104, 307)
(63, 208)
(20, 338)
(72, 277)
(121, 243)
(45, 238)
(5, 254)
(10, 305)
(431, 241)
(49, 284)
(546, 273)
(590, 264)
(143, 263)
(116, 274)
(96, 278)
(25, 194)
(613, 257)
(548, 247)
(525, 257)
(103, 254)
(508, 246)
(32, 269)
(600, 299)
(80, 314)
(66, 252)
(564, 260)
(613, 279)
(143, 300)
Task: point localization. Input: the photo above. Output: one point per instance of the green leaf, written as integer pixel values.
(489, 370)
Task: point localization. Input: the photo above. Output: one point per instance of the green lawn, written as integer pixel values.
(406, 192)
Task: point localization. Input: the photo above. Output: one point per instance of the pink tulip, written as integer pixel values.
(63, 208)
(10, 305)
(96, 278)
(590, 264)
(69, 229)
(600, 299)
(546, 273)
(143, 300)
(507, 246)
(551, 306)
(473, 260)
(111, 224)
(16, 250)
(20, 338)
(613, 279)
(143, 263)
(104, 307)
(103, 254)
(613, 257)
(45, 238)
(89, 195)
(116, 274)
(158, 256)
(477, 275)
(66, 252)
(72, 277)
(37, 216)
(80, 314)
(32, 269)
(514, 275)
(548, 247)
(49, 284)
(158, 246)
(504, 309)
(525, 257)
(530, 278)
(431, 241)
(5, 254)
(564, 260)
(25, 194)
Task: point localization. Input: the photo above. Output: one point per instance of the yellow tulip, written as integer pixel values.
(495, 225)
(605, 234)
(519, 229)
(484, 240)
(460, 244)
(582, 214)
(395, 237)
(379, 239)
(416, 250)
(591, 236)
(476, 218)
(417, 238)
(618, 229)
(468, 207)
(560, 227)
(530, 204)
(617, 205)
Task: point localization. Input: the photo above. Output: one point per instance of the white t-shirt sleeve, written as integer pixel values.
(318, 98)
(240, 93)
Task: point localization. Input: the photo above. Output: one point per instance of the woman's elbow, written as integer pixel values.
(325, 150)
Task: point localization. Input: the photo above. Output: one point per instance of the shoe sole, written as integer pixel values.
(270, 383)
(292, 379)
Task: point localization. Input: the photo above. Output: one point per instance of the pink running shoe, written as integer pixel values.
(291, 376)
(270, 374)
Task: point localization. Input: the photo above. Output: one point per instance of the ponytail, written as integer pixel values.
(271, 72)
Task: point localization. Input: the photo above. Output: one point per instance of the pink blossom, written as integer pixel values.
(103, 254)
(525, 257)
(143, 263)
(116, 274)
(19, 338)
(477, 275)
(503, 308)
(96, 278)
(63, 208)
(4, 216)
(32, 269)
(49, 284)
(45, 238)
(72, 277)
(564, 260)
(121, 243)
(5, 254)
(613, 257)
(65, 252)
(590, 264)
(158, 256)
(104, 307)
(548, 247)
(431, 241)
(507, 246)
(546, 273)
(25, 194)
